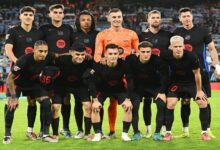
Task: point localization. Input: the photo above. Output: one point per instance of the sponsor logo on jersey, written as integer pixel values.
(61, 44)
(188, 47)
(156, 51)
(88, 50)
(28, 50)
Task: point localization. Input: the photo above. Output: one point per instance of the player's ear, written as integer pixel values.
(105, 54)
(180, 18)
(49, 14)
(108, 18)
(20, 16)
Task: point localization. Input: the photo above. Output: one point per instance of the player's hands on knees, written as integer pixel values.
(96, 105)
(200, 95)
(161, 96)
(12, 103)
(127, 105)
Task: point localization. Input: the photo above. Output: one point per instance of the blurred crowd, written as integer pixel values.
(134, 18)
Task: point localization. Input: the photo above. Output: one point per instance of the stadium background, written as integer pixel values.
(206, 13)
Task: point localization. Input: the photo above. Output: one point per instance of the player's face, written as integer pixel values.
(145, 54)
(78, 57)
(112, 55)
(56, 14)
(40, 52)
(115, 19)
(177, 48)
(85, 22)
(186, 18)
(27, 18)
(154, 20)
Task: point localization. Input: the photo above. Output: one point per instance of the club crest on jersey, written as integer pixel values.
(61, 44)
(187, 37)
(16, 68)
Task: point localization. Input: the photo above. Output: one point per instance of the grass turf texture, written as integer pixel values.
(193, 142)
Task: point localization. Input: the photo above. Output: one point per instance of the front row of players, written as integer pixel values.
(166, 79)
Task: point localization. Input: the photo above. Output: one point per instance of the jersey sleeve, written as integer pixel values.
(207, 36)
(99, 47)
(194, 61)
(10, 36)
(135, 41)
(18, 66)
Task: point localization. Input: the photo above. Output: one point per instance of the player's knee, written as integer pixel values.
(56, 108)
(201, 103)
(160, 103)
(171, 105)
(87, 107)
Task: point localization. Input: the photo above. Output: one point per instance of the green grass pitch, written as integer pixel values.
(20, 142)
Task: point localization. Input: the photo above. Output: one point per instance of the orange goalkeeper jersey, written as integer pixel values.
(125, 38)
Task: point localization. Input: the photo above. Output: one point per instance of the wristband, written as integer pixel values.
(217, 68)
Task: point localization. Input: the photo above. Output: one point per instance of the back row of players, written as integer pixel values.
(146, 76)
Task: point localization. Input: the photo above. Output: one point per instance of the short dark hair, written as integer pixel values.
(145, 44)
(111, 46)
(56, 6)
(79, 47)
(40, 42)
(184, 9)
(27, 9)
(114, 10)
(85, 12)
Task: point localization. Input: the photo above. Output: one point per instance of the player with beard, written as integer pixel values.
(20, 41)
(28, 73)
(59, 37)
(161, 40)
(196, 39)
(185, 82)
(124, 38)
(85, 34)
